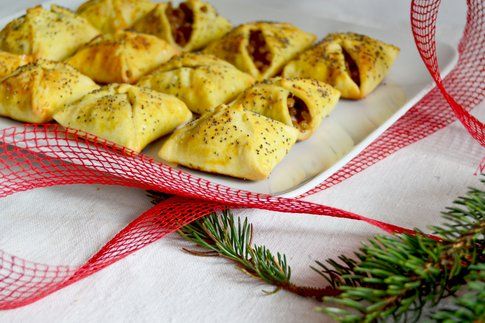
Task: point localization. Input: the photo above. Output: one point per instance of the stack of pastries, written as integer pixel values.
(230, 101)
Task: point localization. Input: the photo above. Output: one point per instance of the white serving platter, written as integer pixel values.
(351, 127)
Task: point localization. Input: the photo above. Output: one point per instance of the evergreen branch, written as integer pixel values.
(390, 276)
(397, 276)
(223, 236)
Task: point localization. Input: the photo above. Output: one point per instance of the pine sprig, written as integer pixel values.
(223, 235)
(389, 277)
(397, 276)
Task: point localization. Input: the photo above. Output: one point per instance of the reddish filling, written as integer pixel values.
(259, 51)
(181, 20)
(299, 113)
(352, 68)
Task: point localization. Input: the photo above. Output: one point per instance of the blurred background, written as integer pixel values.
(389, 13)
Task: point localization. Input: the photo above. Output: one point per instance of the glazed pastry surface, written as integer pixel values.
(50, 34)
(109, 16)
(121, 57)
(34, 92)
(301, 103)
(125, 114)
(261, 49)
(231, 141)
(191, 26)
(354, 64)
(203, 82)
(10, 62)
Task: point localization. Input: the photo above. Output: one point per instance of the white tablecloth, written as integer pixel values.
(162, 283)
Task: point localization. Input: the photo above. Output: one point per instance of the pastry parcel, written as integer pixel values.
(50, 34)
(301, 103)
(125, 114)
(191, 26)
(122, 57)
(34, 92)
(261, 48)
(354, 64)
(203, 82)
(231, 141)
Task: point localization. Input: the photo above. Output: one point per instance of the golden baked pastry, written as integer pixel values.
(50, 34)
(191, 26)
(125, 114)
(261, 48)
(231, 141)
(113, 15)
(203, 82)
(354, 64)
(10, 62)
(121, 57)
(34, 92)
(301, 103)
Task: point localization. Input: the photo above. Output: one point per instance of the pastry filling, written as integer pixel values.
(181, 20)
(259, 51)
(299, 113)
(352, 68)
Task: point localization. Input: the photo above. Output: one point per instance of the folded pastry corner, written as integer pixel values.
(231, 141)
(127, 115)
(121, 57)
(191, 26)
(203, 82)
(109, 16)
(34, 92)
(261, 48)
(354, 64)
(301, 103)
(10, 62)
(49, 34)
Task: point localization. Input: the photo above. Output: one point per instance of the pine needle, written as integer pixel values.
(224, 235)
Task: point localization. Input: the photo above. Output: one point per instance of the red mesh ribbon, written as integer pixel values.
(43, 156)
